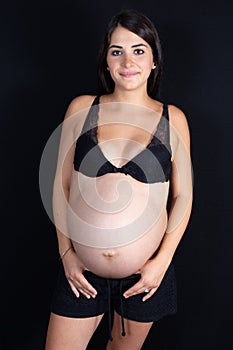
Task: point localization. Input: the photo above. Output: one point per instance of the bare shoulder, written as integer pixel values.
(178, 119)
(79, 103)
(179, 123)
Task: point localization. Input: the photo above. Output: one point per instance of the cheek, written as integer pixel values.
(113, 62)
(111, 68)
(145, 62)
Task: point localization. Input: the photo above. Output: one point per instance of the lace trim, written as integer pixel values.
(161, 135)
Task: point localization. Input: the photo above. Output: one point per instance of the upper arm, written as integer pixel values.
(181, 177)
(70, 130)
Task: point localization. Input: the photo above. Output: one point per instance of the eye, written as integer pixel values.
(116, 53)
(139, 52)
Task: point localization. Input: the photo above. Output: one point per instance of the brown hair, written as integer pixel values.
(139, 24)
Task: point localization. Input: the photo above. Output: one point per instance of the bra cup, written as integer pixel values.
(151, 165)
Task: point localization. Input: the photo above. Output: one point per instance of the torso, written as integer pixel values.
(122, 219)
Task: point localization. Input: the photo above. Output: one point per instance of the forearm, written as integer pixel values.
(64, 242)
(60, 204)
(173, 236)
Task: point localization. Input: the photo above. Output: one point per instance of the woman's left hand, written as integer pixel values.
(152, 274)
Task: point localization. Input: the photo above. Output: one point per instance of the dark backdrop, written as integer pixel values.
(49, 55)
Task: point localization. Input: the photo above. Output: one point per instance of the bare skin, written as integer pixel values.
(120, 261)
(69, 333)
(136, 333)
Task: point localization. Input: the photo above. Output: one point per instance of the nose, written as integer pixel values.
(127, 60)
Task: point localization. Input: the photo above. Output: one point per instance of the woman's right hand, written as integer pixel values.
(74, 269)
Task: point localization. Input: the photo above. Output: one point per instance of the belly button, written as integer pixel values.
(109, 254)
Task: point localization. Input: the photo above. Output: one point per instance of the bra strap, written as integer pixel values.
(92, 117)
(96, 100)
(165, 111)
(162, 132)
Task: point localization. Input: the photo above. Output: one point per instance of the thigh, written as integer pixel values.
(65, 333)
(136, 333)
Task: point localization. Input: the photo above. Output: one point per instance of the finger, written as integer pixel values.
(87, 287)
(83, 286)
(84, 292)
(135, 289)
(74, 290)
(149, 295)
(77, 289)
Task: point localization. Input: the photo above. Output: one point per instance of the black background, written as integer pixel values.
(49, 56)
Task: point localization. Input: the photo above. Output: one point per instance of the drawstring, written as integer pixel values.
(109, 311)
(122, 310)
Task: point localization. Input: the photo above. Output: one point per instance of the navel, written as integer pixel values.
(110, 254)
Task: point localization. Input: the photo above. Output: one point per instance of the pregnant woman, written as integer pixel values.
(121, 153)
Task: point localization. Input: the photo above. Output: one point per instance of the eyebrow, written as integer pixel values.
(121, 47)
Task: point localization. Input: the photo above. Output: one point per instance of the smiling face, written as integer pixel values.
(129, 59)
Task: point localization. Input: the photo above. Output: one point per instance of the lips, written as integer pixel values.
(128, 74)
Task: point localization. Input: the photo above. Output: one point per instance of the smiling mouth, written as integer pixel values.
(128, 75)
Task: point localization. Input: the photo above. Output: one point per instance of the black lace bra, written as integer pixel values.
(151, 165)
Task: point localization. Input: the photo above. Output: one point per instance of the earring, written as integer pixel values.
(154, 66)
(107, 68)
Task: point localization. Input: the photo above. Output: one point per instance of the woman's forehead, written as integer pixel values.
(123, 35)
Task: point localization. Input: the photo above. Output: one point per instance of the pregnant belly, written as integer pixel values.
(116, 223)
(122, 261)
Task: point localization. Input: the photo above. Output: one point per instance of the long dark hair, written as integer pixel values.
(139, 24)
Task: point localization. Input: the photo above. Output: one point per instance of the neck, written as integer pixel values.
(136, 97)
